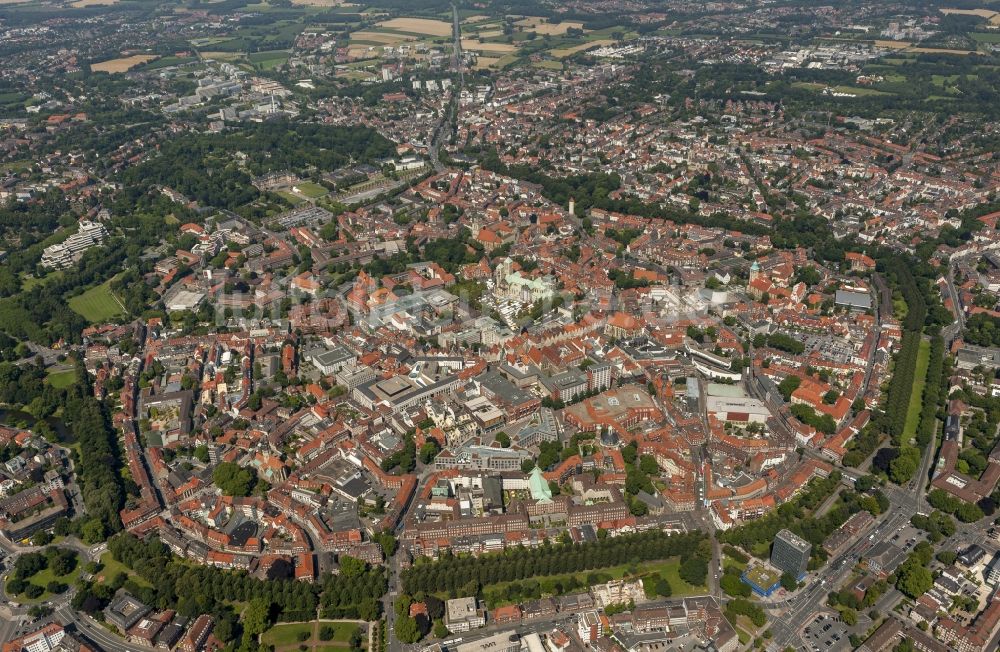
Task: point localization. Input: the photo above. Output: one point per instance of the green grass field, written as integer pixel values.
(269, 58)
(729, 562)
(917, 394)
(28, 282)
(311, 190)
(42, 579)
(111, 568)
(292, 198)
(548, 64)
(285, 634)
(61, 379)
(288, 634)
(96, 304)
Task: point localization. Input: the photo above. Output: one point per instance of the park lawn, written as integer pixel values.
(61, 379)
(28, 281)
(288, 634)
(311, 190)
(285, 634)
(111, 568)
(294, 199)
(329, 648)
(917, 393)
(42, 578)
(743, 636)
(97, 304)
(729, 562)
(342, 631)
(670, 570)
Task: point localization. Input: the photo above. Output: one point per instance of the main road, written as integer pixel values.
(790, 615)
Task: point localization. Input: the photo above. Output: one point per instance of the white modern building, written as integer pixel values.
(68, 252)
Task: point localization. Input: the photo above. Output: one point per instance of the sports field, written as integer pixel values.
(97, 304)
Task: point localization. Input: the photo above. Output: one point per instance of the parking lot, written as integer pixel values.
(824, 633)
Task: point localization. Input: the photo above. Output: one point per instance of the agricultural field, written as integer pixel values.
(474, 45)
(97, 304)
(982, 13)
(941, 51)
(420, 26)
(122, 64)
(542, 26)
(893, 45)
(93, 3)
(381, 38)
(222, 56)
(484, 63)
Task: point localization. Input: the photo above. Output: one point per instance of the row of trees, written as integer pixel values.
(901, 386)
(97, 472)
(195, 589)
(933, 394)
(451, 573)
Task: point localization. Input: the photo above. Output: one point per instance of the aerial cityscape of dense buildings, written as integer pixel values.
(516, 325)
